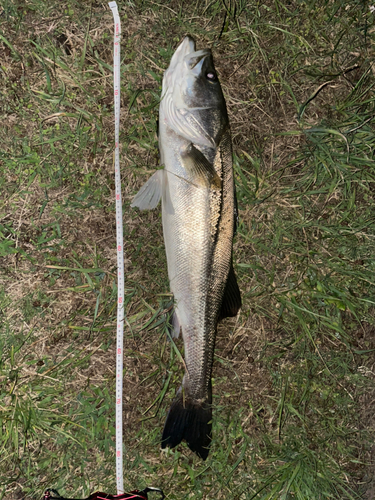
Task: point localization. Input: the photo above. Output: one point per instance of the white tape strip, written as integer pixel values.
(120, 253)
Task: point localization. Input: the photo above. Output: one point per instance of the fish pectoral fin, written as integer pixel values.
(232, 297)
(150, 193)
(202, 171)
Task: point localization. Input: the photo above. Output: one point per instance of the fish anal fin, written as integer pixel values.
(231, 303)
(150, 193)
(201, 170)
(189, 420)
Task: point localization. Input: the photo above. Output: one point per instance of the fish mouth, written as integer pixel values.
(196, 58)
(186, 64)
(186, 47)
(186, 53)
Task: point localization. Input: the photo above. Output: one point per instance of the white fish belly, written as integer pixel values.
(187, 235)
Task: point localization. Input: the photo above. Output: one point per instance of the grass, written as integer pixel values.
(293, 375)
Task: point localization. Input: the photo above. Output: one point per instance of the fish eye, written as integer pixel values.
(211, 76)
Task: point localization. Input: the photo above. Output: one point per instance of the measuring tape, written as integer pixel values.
(120, 253)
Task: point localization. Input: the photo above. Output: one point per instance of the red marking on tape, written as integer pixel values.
(119, 248)
(118, 453)
(118, 351)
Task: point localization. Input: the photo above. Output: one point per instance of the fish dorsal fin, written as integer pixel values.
(202, 172)
(232, 297)
(150, 193)
(236, 217)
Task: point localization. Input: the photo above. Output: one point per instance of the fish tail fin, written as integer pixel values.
(187, 419)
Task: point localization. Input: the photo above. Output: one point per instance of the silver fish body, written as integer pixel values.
(199, 216)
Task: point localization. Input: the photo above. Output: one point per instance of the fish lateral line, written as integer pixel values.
(181, 178)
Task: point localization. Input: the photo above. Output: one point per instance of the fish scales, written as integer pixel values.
(198, 213)
(192, 232)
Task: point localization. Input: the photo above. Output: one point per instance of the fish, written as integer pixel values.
(199, 217)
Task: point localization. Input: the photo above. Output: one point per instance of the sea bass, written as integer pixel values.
(199, 217)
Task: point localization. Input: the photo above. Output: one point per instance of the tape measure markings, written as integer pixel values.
(120, 253)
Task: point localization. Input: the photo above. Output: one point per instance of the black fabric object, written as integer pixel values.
(51, 494)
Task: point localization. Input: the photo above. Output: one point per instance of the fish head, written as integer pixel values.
(193, 104)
